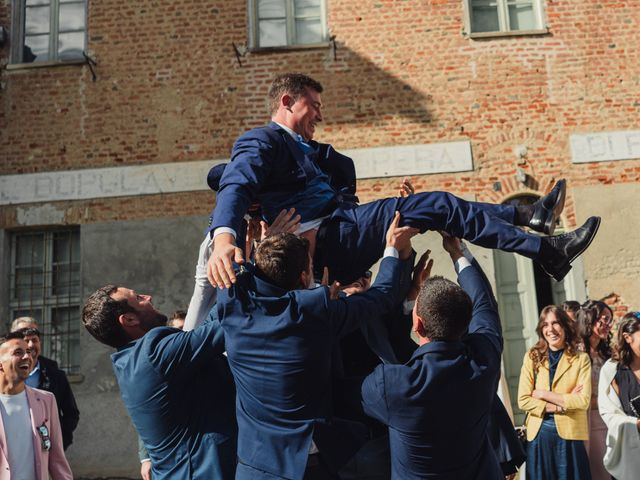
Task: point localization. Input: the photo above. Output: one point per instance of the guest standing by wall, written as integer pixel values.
(595, 319)
(554, 390)
(619, 401)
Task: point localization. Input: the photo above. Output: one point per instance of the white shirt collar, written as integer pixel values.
(35, 369)
(288, 130)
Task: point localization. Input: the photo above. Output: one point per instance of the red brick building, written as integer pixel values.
(102, 156)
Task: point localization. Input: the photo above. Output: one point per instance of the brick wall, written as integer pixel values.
(169, 89)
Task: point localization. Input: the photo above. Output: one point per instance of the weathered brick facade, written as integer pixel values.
(401, 72)
(169, 89)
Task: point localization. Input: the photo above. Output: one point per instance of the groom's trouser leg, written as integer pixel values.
(354, 238)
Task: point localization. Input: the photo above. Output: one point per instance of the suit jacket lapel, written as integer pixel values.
(295, 150)
(563, 366)
(38, 417)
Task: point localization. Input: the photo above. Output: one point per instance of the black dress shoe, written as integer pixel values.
(557, 253)
(547, 210)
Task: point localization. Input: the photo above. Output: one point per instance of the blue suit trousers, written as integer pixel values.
(354, 236)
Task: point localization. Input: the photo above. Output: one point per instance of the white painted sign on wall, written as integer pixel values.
(605, 146)
(104, 182)
(412, 159)
(191, 176)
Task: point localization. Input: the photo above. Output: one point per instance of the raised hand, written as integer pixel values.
(286, 222)
(334, 288)
(452, 245)
(421, 272)
(220, 266)
(400, 237)
(406, 188)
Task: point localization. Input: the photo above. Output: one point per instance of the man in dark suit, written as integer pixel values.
(176, 385)
(46, 375)
(438, 404)
(279, 336)
(280, 167)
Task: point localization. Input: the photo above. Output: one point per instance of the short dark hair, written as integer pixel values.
(295, 84)
(622, 352)
(28, 331)
(100, 317)
(570, 306)
(445, 309)
(280, 259)
(5, 337)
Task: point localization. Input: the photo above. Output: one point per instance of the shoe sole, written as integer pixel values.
(550, 227)
(562, 272)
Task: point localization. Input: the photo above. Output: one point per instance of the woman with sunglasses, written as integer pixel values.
(595, 319)
(554, 391)
(619, 401)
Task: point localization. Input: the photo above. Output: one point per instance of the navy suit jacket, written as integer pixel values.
(279, 345)
(437, 405)
(179, 392)
(267, 164)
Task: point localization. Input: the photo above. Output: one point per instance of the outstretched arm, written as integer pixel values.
(180, 353)
(484, 318)
(347, 313)
(251, 163)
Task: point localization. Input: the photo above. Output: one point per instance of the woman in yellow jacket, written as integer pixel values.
(554, 391)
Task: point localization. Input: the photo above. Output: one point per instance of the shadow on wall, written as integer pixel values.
(358, 90)
(361, 91)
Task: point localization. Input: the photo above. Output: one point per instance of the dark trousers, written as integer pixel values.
(354, 237)
(317, 470)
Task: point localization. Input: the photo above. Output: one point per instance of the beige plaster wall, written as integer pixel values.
(612, 263)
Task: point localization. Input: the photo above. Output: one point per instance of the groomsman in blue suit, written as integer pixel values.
(279, 166)
(279, 336)
(176, 385)
(437, 406)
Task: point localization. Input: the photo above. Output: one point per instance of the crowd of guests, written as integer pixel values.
(580, 389)
(38, 411)
(579, 386)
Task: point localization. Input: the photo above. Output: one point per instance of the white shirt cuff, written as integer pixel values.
(461, 264)
(220, 230)
(145, 460)
(465, 251)
(391, 252)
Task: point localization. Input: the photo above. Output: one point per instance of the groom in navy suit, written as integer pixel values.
(280, 166)
(279, 336)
